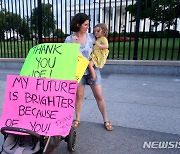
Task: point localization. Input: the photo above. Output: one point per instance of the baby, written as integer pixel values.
(100, 51)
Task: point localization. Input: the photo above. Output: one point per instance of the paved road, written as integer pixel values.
(142, 108)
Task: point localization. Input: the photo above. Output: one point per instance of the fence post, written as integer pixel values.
(40, 21)
(138, 12)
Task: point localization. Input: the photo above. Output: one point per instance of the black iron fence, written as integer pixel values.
(143, 29)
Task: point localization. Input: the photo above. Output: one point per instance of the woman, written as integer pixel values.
(79, 25)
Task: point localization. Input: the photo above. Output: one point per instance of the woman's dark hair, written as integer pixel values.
(77, 21)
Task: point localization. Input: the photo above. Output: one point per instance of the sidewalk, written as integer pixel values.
(142, 108)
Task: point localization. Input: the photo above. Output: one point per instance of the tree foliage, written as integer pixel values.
(13, 22)
(48, 21)
(159, 11)
(59, 33)
(1, 25)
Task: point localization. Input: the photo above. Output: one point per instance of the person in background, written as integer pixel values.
(79, 25)
(100, 51)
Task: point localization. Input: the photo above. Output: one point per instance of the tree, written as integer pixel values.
(24, 29)
(59, 33)
(13, 22)
(159, 11)
(2, 17)
(48, 21)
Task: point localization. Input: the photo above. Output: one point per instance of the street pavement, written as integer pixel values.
(142, 108)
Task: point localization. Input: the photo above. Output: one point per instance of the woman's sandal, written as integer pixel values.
(108, 126)
(75, 123)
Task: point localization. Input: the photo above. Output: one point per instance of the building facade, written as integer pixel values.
(114, 14)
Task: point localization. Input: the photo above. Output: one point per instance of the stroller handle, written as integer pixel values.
(21, 130)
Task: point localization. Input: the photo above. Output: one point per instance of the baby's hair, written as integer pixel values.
(104, 29)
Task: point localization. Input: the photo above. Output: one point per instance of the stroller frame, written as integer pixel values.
(47, 143)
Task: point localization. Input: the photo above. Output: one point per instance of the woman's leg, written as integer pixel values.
(97, 92)
(79, 101)
(78, 105)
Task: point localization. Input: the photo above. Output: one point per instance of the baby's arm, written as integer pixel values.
(101, 46)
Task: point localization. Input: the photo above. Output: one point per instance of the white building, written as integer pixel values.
(94, 10)
(116, 17)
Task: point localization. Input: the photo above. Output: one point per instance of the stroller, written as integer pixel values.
(23, 141)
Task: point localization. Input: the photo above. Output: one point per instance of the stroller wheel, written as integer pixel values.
(71, 140)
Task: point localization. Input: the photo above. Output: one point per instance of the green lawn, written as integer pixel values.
(19, 49)
(151, 52)
(15, 49)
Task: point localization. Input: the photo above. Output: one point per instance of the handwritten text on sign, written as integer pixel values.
(43, 105)
(52, 60)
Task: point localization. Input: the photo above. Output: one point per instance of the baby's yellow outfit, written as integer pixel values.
(98, 55)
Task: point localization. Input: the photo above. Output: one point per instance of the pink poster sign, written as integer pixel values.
(45, 106)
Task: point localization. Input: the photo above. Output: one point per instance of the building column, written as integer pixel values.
(101, 16)
(127, 22)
